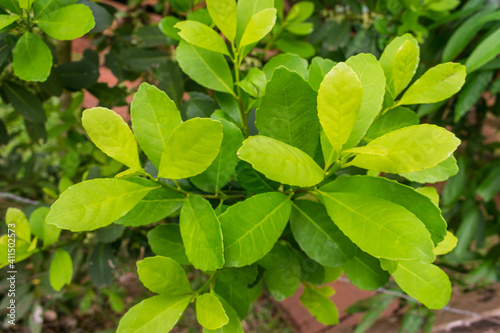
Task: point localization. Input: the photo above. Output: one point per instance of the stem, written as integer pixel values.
(237, 63)
(205, 285)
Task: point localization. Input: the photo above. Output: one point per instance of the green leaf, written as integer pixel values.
(166, 26)
(66, 23)
(232, 285)
(319, 305)
(46, 6)
(291, 61)
(251, 227)
(109, 132)
(446, 245)
(339, 100)
(412, 148)
(61, 269)
(300, 12)
(253, 181)
(423, 281)
(32, 58)
(154, 315)
(6, 20)
(437, 173)
(201, 35)
(438, 83)
(191, 148)
(472, 92)
(155, 206)
(95, 203)
(207, 68)
(490, 186)
(17, 221)
(165, 240)
(318, 236)
(301, 29)
(224, 14)
(12, 5)
(234, 324)
(429, 192)
(400, 194)
(464, 34)
(27, 104)
(400, 234)
(364, 271)
(318, 69)
(47, 232)
(222, 168)
(402, 51)
(163, 276)
(258, 27)
(154, 118)
(487, 50)
(372, 78)
(254, 82)
(280, 162)
(209, 312)
(283, 271)
(246, 9)
(391, 120)
(288, 113)
(201, 234)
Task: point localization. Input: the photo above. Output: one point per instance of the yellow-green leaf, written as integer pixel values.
(224, 15)
(202, 36)
(447, 245)
(339, 100)
(210, 313)
(109, 132)
(259, 26)
(61, 269)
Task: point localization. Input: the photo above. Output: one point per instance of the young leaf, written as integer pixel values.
(246, 9)
(165, 240)
(21, 226)
(191, 148)
(222, 168)
(49, 233)
(201, 234)
(32, 58)
(438, 83)
(251, 227)
(66, 23)
(61, 269)
(423, 281)
(391, 120)
(429, 192)
(234, 324)
(154, 315)
(484, 52)
(364, 271)
(280, 162)
(412, 148)
(320, 305)
(163, 276)
(258, 27)
(437, 173)
(446, 245)
(399, 62)
(208, 68)
(109, 132)
(372, 78)
(397, 193)
(400, 234)
(339, 100)
(209, 312)
(201, 35)
(95, 203)
(155, 206)
(287, 111)
(318, 236)
(318, 69)
(254, 82)
(154, 118)
(224, 15)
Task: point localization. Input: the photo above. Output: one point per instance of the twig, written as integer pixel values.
(18, 198)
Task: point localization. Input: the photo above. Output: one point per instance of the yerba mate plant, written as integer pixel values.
(298, 203)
